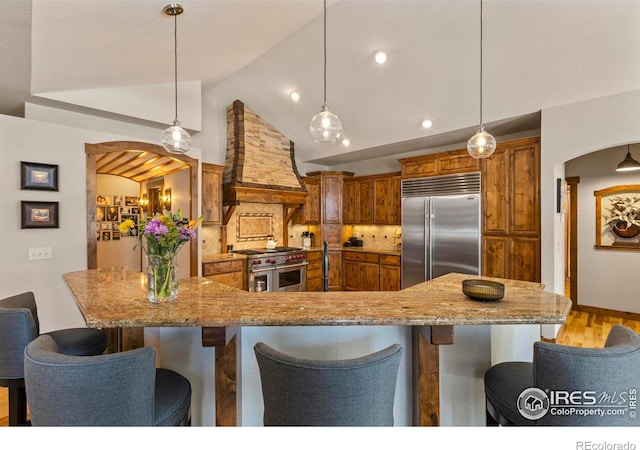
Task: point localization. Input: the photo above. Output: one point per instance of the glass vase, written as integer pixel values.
(162, 278)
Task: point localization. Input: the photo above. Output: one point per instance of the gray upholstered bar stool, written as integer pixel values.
(18, 326)
(117, 389)
(613, 370)
(349, 392)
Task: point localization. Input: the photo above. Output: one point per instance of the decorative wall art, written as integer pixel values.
(618, 217)
(38, 176)
(40, 214)
(111, 211)
(254, 226)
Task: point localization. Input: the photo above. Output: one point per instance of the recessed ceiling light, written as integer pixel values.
(380, 57)
(426, 123)
(295, 96)
(346, 142)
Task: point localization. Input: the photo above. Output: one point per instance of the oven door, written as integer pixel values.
(290, 278)
(261, 280)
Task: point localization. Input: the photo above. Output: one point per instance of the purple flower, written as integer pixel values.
(187, 233)
(155, 227)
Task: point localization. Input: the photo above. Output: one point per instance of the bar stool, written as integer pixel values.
(117, 389)
(349, 392)
(18, 326)
(520, 393)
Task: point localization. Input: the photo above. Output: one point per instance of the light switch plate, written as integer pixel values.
(39, 253)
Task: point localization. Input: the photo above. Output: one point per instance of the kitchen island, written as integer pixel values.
(116, 298)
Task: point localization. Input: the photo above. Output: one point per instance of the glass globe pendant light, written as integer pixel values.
(175, 139)
(325, 126)
(481, 144)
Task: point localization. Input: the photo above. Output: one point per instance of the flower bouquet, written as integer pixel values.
(164, 235)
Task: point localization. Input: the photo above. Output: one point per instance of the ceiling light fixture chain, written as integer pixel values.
(325, 126)
(481, 144)
(175, 139)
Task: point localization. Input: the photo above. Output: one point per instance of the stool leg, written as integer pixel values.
(17, 404)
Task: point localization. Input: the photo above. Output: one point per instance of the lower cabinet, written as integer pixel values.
(335, 270)
(370, 271)
(231, 273)
(314, 271)
(389, 273)
(513, 257)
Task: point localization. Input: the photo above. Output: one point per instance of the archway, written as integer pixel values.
(138, 161)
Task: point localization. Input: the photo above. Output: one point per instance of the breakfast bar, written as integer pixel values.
(116, 298)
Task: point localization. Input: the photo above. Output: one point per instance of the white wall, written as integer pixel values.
(606, 278)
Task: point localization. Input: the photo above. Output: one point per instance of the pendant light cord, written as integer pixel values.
(175, 61)
(325, 52)
(481, 124)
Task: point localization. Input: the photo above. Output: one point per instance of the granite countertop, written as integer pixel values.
(117, 297)
(381, 251)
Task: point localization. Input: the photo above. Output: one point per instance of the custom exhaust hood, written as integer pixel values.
(260, 165)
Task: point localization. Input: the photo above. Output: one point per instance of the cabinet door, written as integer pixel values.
(312, 203)
(495, 256)
(383, 201)
(458, 162)
(212, 193)
(365, 201)
(350, 202)
(332, 199)
(335, 270)
(524, 259)
(369, 276)
(396, 201)
(495, 188)
(351, 275)
(389, 277)
(524, 167)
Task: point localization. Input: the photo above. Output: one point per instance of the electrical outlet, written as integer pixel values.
(39, 253)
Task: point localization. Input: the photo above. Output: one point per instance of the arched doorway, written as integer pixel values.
(139, 161)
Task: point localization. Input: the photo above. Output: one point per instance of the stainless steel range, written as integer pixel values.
(282, 269)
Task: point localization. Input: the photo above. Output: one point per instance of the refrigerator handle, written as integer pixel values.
(428, 241)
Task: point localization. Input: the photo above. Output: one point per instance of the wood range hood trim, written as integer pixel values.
(247, 135)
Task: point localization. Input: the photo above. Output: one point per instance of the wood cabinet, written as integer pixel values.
(232, 272)
(310, 212)
(373, 199)
(361, 271)
(511, 211)
(335, 270)
(445, 163)
(314, 271)
(364, 271)
(358, 201)
(389, 273)
(212, 194)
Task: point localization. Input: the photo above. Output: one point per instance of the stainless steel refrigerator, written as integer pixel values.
(440, 227)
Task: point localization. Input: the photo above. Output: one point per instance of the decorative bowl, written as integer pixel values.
(483, 290)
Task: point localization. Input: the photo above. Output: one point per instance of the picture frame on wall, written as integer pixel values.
(38, 176)
(40, 214)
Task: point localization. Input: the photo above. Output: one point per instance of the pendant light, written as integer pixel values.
(175, 139)
(482, 144)
(325, 127)
(628, 164)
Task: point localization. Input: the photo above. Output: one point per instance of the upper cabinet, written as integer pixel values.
(445, 163)
(511, 189)
(212, 193)
(310, 213)
(373, 199)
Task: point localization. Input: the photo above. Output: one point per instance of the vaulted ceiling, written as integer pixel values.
(536, 54)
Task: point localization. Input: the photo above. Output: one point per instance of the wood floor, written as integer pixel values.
(583, 329)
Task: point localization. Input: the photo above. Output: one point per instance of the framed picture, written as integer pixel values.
(618, 217)
(40, 214)
(43, 177)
